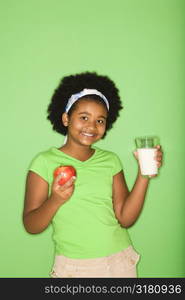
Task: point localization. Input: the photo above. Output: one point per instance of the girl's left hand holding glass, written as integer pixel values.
(158, 158)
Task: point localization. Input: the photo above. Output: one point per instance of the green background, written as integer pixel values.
(140, 45)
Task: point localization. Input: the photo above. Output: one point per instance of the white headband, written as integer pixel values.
(85, 92)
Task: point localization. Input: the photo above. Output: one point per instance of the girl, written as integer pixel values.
(90, 214)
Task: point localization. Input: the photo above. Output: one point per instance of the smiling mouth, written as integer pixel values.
(88, 134)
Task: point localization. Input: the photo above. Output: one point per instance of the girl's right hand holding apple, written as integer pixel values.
(39, 210)
(62, 193)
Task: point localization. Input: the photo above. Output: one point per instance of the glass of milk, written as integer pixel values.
(146, 153)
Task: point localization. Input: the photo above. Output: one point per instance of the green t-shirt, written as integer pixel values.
(85, 226)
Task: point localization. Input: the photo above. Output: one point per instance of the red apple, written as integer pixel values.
(66, 171)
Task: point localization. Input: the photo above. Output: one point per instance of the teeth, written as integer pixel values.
(87, 134)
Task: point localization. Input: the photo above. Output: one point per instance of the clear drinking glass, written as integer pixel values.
(146, 153)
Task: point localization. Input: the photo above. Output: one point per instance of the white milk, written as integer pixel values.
(148, 164)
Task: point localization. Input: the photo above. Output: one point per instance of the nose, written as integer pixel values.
(91, 125)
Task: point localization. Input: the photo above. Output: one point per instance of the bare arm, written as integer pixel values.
(128, 206)
(38, 208)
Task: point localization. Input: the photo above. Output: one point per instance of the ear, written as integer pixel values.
(65, 119)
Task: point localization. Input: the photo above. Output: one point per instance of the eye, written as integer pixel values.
(85, 118)
(101, 121)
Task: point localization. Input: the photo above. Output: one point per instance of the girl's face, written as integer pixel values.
(87, 122)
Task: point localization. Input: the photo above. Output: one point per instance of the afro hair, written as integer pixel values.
(76, 83)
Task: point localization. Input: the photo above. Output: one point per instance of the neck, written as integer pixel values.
(78, 151)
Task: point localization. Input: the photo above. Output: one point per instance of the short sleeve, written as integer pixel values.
(117, 164)
(39, 166)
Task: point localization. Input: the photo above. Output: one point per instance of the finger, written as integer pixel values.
(158, 158)
(159, 164)
(158, 154)
(158, 150)
(69, 183)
